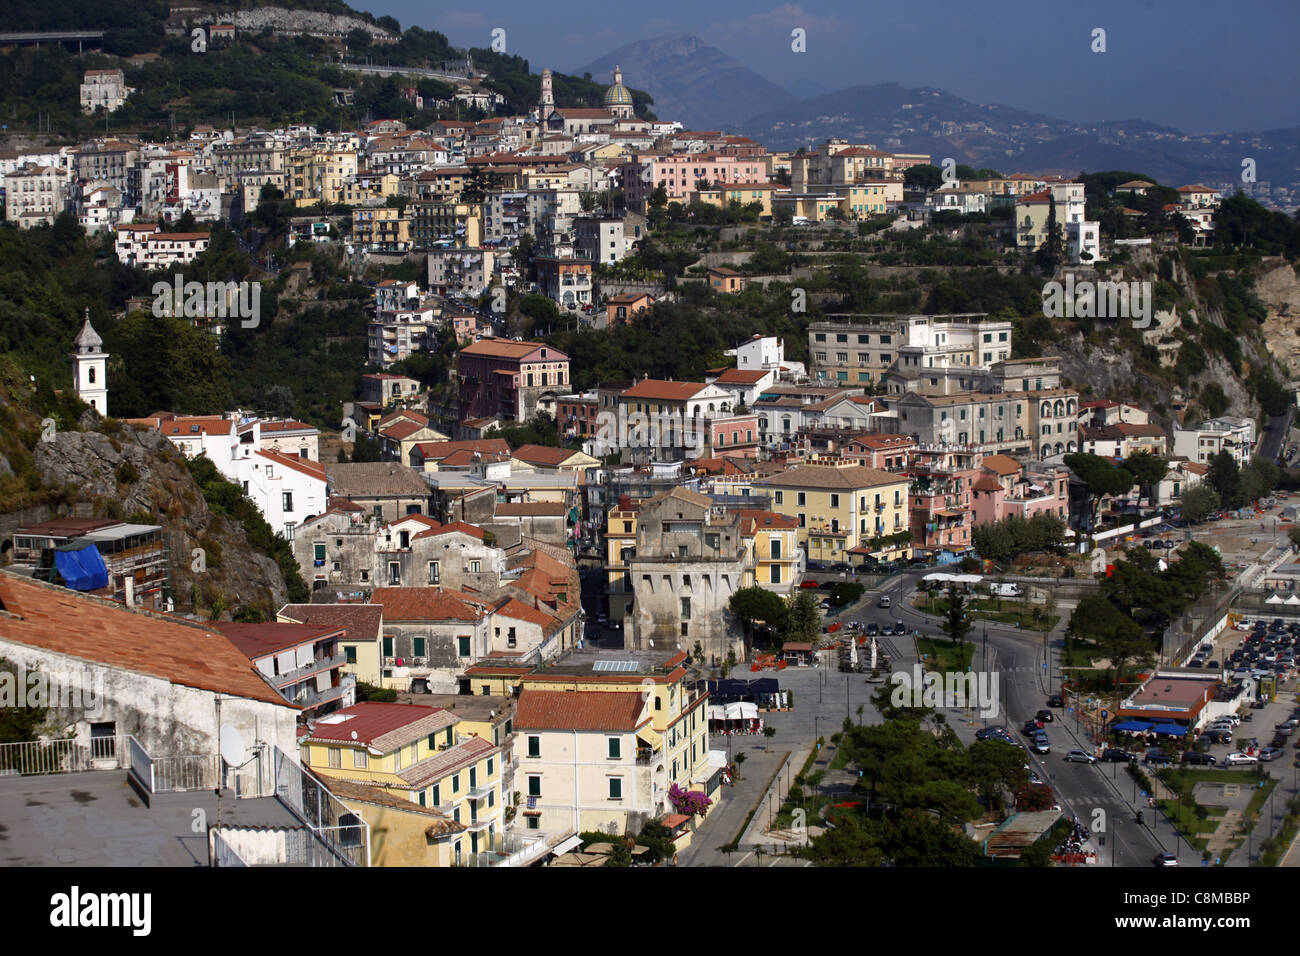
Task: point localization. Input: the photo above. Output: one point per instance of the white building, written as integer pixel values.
(146, 246)
(1201, 443)
(34, 195)
(286, 490)
(103, 89)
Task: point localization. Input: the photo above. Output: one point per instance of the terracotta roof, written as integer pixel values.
(103, 632)
(735, 376)
(351, 791)
(438, 450)
(384, 727)
(505, 348)
(1002, 464)
(198, 425)
(520, 611)
(313, 469)
(826, 476)
(401, 430)
(424, 604)
(360, 621)
(474, 531)
(663, 391)
(884, 441)
(259, 640)
(543, 454)
(754, 520)
(580, 710)
(986, 482)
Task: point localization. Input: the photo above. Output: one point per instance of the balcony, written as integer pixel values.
(321, 663)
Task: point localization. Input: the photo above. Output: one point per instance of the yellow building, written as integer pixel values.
(371, 190)
(662, 724)
(315, 175)
(772, 550)
(843, 508)
(743, 193)
(383, 229)
(620, 544)
(415, 753)
(435, 221)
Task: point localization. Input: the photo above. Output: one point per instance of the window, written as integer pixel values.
(489, 766)
(360, 760)
(835, 501)
(455, 783)
(336, 757)
(533, 822)
(616, 788)
(511, 640)
(417, 647)
(394, 573)
(686, 609)
(462, 646)
(286, 500)
(615, 748)
(802, 499)
(351, 654)
(475, 567)
(534, 786)
(434, 576)
(779, 498)
(388, 647)
(776, 549)
(534, 746)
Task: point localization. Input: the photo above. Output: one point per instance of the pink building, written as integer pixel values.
(940, 497)
(736, 436)
(1006, 488)
(679, 173)
(885, 451)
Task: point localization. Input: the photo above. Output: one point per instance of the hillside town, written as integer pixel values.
(532, 611)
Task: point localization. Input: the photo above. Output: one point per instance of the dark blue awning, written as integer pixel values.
(82, 570)
(1131, 727)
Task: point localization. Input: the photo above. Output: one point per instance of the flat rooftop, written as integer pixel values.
(1167, 691)
(97, 819)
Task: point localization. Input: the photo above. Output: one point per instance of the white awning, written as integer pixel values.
(567, 844)
(717, 759)
(1274, 599)
(1293, 599)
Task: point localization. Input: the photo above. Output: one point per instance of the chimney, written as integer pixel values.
(129, 583)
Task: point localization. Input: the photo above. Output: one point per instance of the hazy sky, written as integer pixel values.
(1193, 64)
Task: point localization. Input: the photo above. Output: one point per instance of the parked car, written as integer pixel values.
(988, 732)
(1195, 757)
(1079, 756)
(1031, 728)
(1240, 759)
(873, 629)
(1041, 745)
(1157, 757)
(899, 628)
(1270, 753)
(1218, 736)
(1056, 700)
(1166, 859)
(1115, 755)
(884, 601)
(1044, 715)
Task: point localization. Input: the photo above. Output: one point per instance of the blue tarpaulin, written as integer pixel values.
(82, 570)
(1169, 730)
(1132, 727)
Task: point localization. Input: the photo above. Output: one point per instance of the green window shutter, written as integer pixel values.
(419, 647)
(388, 647)
(437, 794)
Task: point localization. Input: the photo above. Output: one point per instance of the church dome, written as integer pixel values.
(617, 95)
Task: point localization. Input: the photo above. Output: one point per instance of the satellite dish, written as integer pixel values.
(354, 735)
(232, 745)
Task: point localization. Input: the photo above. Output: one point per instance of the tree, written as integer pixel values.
(802, 621)
(754, 605)
(1199, 501)
(1148, 470)
(1101, 477)
(956, 624)
(1225, 477)
(1117, 636)
(923, 176)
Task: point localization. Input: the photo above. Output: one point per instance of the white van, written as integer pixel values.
(1005, 590)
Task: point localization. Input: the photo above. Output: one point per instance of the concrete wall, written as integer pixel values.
(167, 719)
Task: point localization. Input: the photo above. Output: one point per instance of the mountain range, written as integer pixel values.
(690, 81)
(705, 88)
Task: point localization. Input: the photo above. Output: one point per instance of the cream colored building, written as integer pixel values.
(842, 508)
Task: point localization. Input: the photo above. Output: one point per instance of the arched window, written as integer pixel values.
(90, 376)
(1047, 409)
(1059, 408)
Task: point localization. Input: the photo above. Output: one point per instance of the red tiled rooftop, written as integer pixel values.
(579, 710)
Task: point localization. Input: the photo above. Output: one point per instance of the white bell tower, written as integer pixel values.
(89, 363)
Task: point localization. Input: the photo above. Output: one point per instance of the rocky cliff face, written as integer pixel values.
(139, 473)
(294, 21)
(1279, 290)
